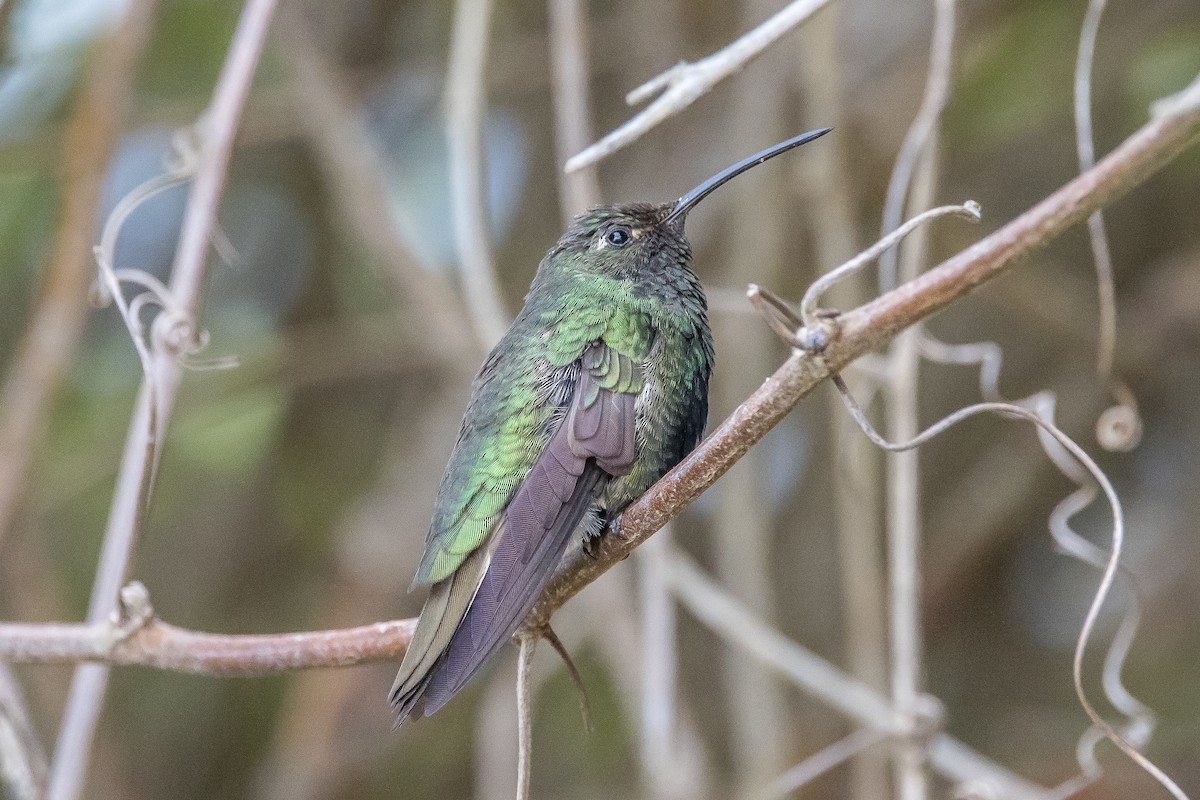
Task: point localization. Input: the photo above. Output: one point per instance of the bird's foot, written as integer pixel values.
(589, 545)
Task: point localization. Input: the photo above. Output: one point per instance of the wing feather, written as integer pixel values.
(595, 441)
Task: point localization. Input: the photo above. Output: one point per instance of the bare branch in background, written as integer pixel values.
(821, 762)
(915, 176)
(578, 190)
(826, 183)
(659, 745)
(684, 83)
(719, 611)
(760, 734)
(52, 337)
(1109, 561)
(1086, 148)
(22, 759)
(466, 101)
(175, 334)
(353, 167)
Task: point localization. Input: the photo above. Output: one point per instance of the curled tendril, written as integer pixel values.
(1074, 463)
(172, 332)
(1110, 560)
(1141, 721)
(1119, 427)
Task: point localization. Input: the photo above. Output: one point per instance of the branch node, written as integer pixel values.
(775, 312)
(656, 84)
(818, 335)
(178, 334)
(928, 720)
(133, 612)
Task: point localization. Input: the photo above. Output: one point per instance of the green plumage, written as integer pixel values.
(514, 398)
(642, 312)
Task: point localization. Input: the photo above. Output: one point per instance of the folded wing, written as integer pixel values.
(595, 442)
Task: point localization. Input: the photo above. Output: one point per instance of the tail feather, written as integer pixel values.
(519, 571)
(443, 612)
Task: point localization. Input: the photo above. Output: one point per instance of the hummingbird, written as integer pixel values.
(598, 388)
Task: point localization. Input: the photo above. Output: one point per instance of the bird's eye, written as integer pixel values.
(618, 236)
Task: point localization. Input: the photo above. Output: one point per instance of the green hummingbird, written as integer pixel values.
(596, 390)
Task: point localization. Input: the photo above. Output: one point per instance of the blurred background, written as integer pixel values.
(295, 490)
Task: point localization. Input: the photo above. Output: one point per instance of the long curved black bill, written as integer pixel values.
(685, 204)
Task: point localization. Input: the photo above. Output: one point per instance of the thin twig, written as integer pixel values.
(22, 759)
(528, 642)
(564, 655)
(580, 189)
(153, 409)
(808, 305)
(823, 760)
(1111, 562)
(685, 83)
(718, 610)
(921, 132)
(988, 357)
(1086, 147)
(466, 99)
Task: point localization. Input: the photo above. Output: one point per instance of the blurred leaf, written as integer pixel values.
(230, 438)
(1162, 66)
(1017, 78)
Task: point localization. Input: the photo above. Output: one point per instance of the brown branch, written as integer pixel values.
(873, 325)
(157, 644)
(858, 332)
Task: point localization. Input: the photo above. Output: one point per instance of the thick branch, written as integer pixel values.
(858, 332)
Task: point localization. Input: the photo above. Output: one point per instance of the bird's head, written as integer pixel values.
(638, 240)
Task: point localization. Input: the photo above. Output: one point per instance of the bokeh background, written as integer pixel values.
(295, 490)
